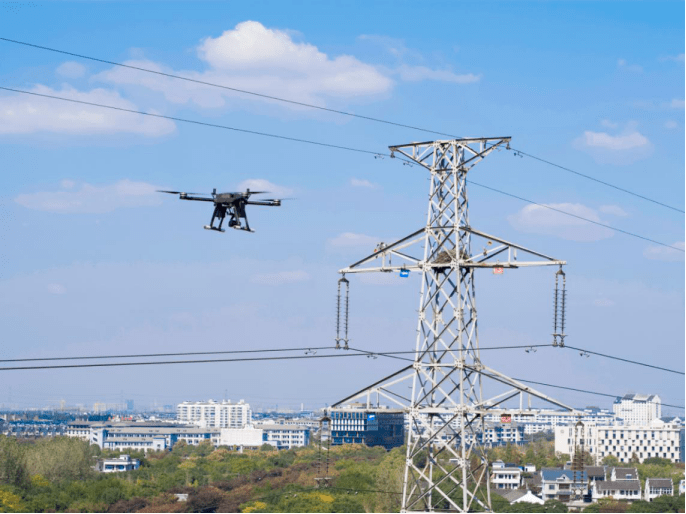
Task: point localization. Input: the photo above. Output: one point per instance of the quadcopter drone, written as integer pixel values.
(231, 203)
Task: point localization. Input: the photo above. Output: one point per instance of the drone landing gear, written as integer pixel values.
(209, 227)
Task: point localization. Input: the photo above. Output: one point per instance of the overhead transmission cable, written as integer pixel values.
(322, 108)
(220, 352)
(318, 143)
(625, 360)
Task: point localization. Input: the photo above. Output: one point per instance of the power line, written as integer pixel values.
(221, 352)
(576, 216)
(322, 108)
(141, 355)
(597, 180)
(199, 361)
(585, 391)
(625, 360)
(195, 122)
(328, 145)
(221, 86)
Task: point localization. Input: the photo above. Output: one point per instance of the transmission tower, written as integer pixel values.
(452, 390)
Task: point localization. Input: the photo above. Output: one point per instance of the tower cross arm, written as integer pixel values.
(424, 153)
(383, 251)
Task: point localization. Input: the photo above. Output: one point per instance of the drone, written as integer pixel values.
(232, 204)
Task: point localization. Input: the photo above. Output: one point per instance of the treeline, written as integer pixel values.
(56, 475)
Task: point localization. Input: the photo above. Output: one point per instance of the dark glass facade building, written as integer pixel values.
(373, 427)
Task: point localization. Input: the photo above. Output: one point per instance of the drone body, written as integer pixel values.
(232, 204)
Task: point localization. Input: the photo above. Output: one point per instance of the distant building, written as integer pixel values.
(373, 426)
(248, 437)
(658, 487)
(520, 496)
(286, 436)
(560, 484)
(617, 489)
(213, 414)
(638, 409)
(626, 442)
(116, 465)
(506, 478)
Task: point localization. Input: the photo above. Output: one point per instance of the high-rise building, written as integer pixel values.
(638, 409)
(214, 414)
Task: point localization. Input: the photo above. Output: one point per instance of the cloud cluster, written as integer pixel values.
(92, 199)
(662, 253)
(24, 114)
(281, 277)
(256, 58)
(260, 184)
(350, 240)
(538, 219)
(624, 148)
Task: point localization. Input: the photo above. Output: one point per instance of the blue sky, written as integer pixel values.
(94, 262)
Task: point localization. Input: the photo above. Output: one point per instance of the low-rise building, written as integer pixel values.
(520, 496)
(117, 464)
(616, 489)
(286, 436)
(506, 478)
(563, 484)
(658, 487)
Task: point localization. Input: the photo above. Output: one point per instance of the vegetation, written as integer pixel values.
(55, 475)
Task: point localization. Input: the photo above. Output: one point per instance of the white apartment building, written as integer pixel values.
(285, 436)
(544, 422)
(214, 414)
(638, 409)
(116, 465)
(659, 439)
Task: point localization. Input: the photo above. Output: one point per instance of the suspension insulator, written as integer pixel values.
(342, 315)
(559, 308)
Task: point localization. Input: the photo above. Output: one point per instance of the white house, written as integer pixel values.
(617, 489)
(521, 496)
(116, 465)
(658, 487)
(285, 436)
(506, 478)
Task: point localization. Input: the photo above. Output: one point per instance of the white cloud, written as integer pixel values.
(93, 199)
(603, 302)
(624, 148)
(71, 69)
(608, 142)
(621, 63)
(24, 114)
(671, 124)
(356, 182)
(280, 278)
(615, 210)
(417, 73)
(352, 240)
(662, 253)
(540, 220)
(256, 58)
(67, 184)
(675, 58)
(56, 289)
(608, 124)
(260, 184)
(677, 103)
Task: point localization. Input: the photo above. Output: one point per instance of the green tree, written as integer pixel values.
(13, 470)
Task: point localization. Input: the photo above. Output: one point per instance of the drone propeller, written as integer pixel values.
(180, 192)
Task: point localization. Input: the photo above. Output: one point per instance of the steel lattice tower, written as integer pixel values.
(447, 408)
